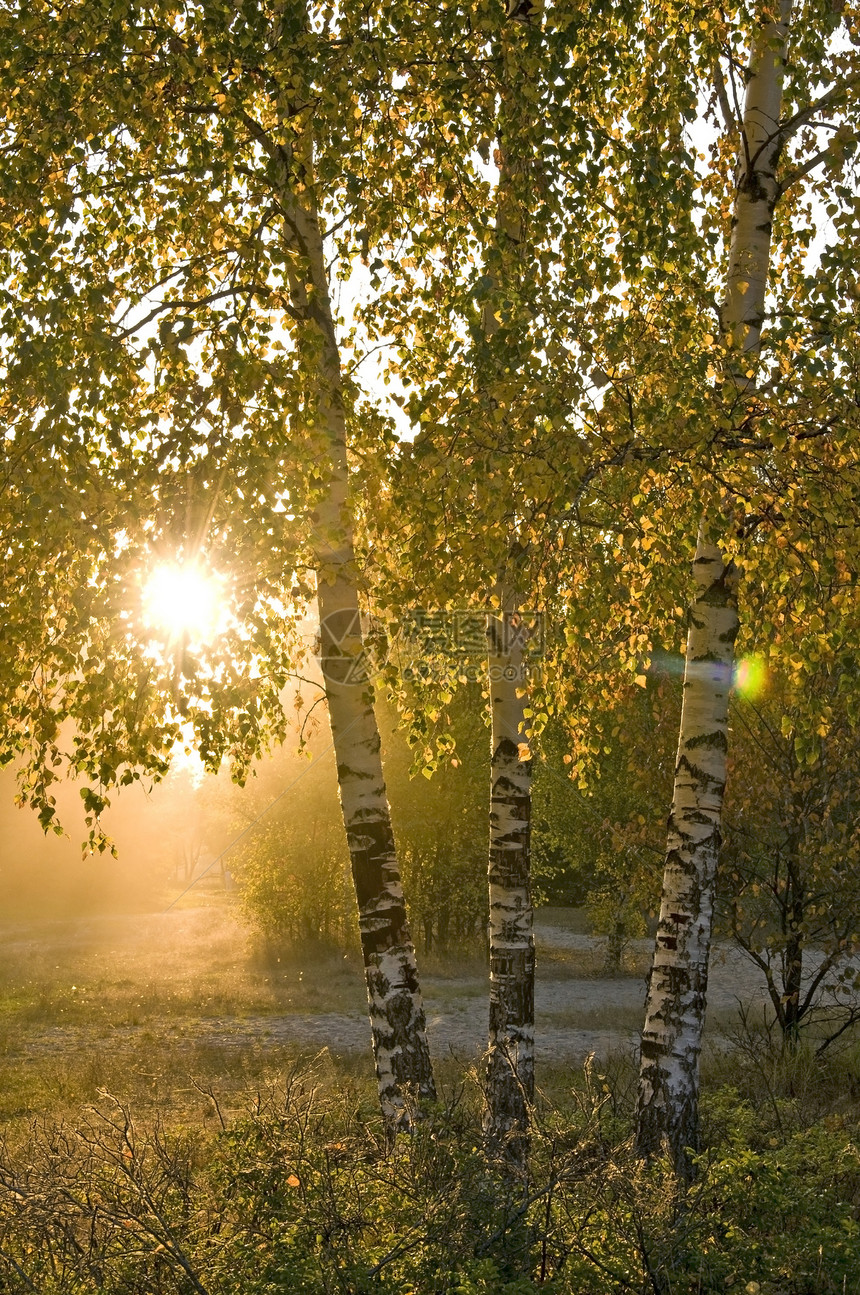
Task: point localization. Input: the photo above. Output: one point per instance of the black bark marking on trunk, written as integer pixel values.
(345, 772)
(371, 848)
(697, 773)
(680, 1139)
(510, 1081)
(716, 741)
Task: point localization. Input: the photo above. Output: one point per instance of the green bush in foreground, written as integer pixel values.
(302, 1194)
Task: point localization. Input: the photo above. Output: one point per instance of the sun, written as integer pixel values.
(184, 600)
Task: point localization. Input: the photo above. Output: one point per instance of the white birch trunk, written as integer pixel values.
(675, 1007)
(396, 1011)
(509, 1080)
(755, 200)
(510, 1058)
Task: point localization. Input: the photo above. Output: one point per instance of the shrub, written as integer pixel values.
(303, 1193)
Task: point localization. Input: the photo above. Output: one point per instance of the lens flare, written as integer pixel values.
(183, 600)
(750, 677)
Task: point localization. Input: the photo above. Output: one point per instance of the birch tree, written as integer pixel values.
(479, 484)
(510, 1061)
(499, 435)
(394, 999)
(675, 1006)
(680, 412)
(202, 135)
(510, 1049)
(671, 1041)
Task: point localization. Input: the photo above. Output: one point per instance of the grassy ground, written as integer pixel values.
(128, 970)
(139, 1156)
(110, 972)
(110, 1003)
(150, 1006)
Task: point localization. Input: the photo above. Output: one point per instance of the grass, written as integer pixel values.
(587, 964)
(144, 1129)
(574, 920)
(293, 1186)
(110, 973)
(140, 1003)
(148, 1006)
(148, 1072)
(619, 1019)
(128, 1004)
(129, 971)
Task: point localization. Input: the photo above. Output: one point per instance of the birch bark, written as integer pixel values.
(397, 1018)
(510, 1058)
(755, 200)
(509, 1081)
(667, 1116)
(675, 1006)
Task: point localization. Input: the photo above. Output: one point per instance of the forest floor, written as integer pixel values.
(163, 1084)
(185, 988)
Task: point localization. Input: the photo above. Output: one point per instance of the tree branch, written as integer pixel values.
(824, 101)
(729, 118)
(191, 303)
(20, 1271)
(800, 171)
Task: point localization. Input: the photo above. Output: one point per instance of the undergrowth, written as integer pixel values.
(300, 1192)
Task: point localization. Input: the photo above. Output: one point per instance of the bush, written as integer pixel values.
(295, 885)
(303, 1193)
